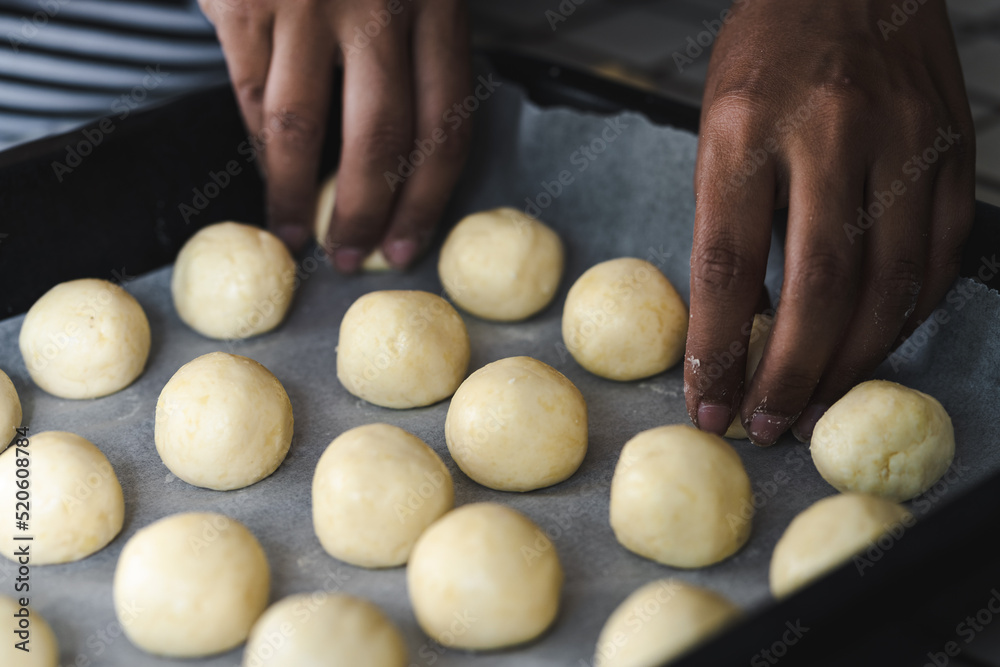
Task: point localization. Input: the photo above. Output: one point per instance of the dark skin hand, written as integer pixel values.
(406, 62)
(808, 106)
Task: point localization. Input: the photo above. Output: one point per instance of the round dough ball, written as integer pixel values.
(501, 264)
(659, 622)
(77, 506)
(885, 439)
(681, 497)
(402, 349)
(223, 422)
(233, 280)
(516, 425)
(623, 320)
(484, 577)
(375, 490)
(375, 261)
(828, 533)
(191, 585)
(324, 630)
(84, 339)
(44, 649)
(755, 350)
(10, 411)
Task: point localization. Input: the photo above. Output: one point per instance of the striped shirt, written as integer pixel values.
(64, 63)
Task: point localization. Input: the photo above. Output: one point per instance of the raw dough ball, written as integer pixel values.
(223, 422)
(402, 349)
(516, 425)
(623, 320)
(484, 577)
(43, 648)
(10, 411)
(659, 622)
(885, 439)
(191, 585)
(680, 496)
(77, 506)
(233, 281)
(375, 490)
(755, 350)
(501, 264)
(84, 339)
(324, 630)
(376, 261)
(828, 533)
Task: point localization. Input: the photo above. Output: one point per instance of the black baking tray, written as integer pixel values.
(119, 212)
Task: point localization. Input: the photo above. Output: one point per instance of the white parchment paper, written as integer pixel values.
(611, 187)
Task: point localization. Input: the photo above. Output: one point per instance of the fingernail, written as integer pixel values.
(293, 236)
(713, 417)
(400, 253)
(766, 428)
(803, 428)
(347, 259)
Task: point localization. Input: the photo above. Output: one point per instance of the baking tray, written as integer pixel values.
(129, 193)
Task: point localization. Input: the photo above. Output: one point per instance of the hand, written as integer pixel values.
(863, 131)
(406, 63)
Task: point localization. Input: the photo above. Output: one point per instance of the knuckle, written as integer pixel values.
(721, 267)
(294, 128)
(382, 140)
(898, 280)
(732, 117)
(820, 272)
(249, 91)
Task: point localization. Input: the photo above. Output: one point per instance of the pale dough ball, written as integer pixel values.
(484, 577)
(375, 490)
(43, 649)
(680, 496)
(77, 506)
(516, 425)
(324, 630)
(191, 585)
(623, 320)
(885, 439)
(84, 339)
(223, 422)
(402, 349)
(375, 261)
(828, 533)
(755, 350)
(233, 280)
(501, 264)
(659, 622)
(10, 410)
